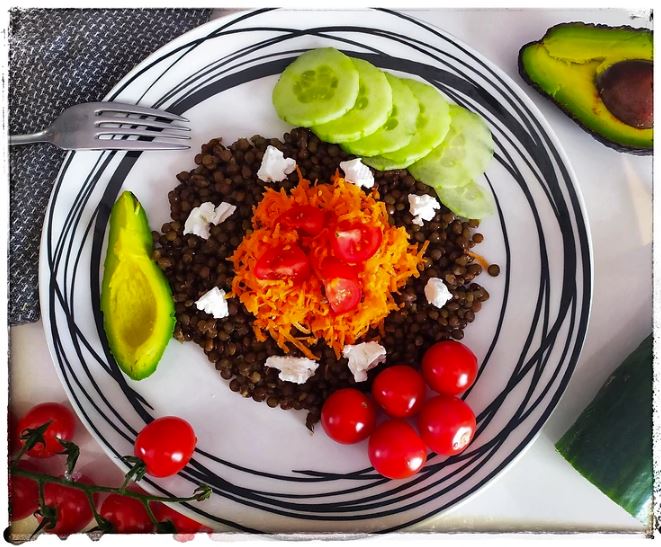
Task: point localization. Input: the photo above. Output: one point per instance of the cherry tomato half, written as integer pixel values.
(355, 241)
(62, 426)
(71, 506)
(23, 494)
(283, 262)
(395, 450)
(446, 424)
(341, 285)
(127, 515)
(165, 445)
(182, 524)
(449, 367)
(306, 218)
(399, 390)
(348, 416)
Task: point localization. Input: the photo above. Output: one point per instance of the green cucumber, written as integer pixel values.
(371, 110)
(319, 86)
(469, 200)
(431, 127)
(463, 155)
(398, 129)
(611, 442)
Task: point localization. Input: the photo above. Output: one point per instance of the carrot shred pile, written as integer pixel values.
(298, 315)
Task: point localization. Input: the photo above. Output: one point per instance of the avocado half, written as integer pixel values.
(570, 64)
(136, 299)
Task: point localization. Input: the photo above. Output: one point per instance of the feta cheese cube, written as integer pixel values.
(363, 357)
(213, 302)
(275, 167)
(200, 217)
(292, 369)
(422, 207)
(437, 293)
(357, 172)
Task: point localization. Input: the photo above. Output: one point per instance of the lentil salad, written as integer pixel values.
(194, 265)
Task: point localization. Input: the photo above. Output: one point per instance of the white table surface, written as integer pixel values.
(541, 491)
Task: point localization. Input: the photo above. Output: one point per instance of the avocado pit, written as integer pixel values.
(627, 90)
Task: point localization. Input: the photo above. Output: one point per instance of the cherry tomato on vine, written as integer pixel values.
(306, 218)
(446, 424)
(127, 515)
(165, 445)
(399, 390)
(72, 508)
(348, 416)
(395, 450)
(283, 262)
(449, 367)
(181, 523)
(355, 241)
(23, 493)
(62, 426)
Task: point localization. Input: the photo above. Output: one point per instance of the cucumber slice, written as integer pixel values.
(370, 111)
(319, 86)
(432, 126)
(398, 131)
(462, 156)
(469, 200)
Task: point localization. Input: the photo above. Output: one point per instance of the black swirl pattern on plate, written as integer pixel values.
(514, 126)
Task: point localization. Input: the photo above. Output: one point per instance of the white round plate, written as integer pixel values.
(268, 473)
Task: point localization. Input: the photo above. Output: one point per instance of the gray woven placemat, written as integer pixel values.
(58, 58)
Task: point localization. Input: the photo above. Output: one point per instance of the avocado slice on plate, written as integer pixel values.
(601, 76)
(136, 299)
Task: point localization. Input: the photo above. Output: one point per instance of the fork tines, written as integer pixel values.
(128, 120)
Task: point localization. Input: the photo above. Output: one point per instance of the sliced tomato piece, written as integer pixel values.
(306, 218)
(334, 268)
(355, 241)
(283, 262)
(341, 285)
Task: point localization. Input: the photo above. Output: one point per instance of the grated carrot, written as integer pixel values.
(299, 315)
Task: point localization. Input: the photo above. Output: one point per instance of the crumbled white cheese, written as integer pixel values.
(200, 217)
(363, 357)
(437, 293)
(422, 207)
(275, 167)
(292, 369)
(213, 302)
(357, 172)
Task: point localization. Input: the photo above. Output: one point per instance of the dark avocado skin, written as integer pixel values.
(620, 147)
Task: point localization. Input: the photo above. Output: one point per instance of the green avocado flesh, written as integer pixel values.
(136, 300)
(566, 65)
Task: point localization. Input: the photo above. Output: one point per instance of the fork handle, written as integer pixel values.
(41, 136)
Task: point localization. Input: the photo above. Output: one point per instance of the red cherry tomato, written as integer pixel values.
(71, 506)
(399, 390)
(165, 445)
(127, 515)
(182, 524)
(449, 367)
(341, 285)
(355, 241)
(305, 218)
(63, 425)
(395, 450)
(23, 494)
(348, 416)
(283, 262)
(446, 424)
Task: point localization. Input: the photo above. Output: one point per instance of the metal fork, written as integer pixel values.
(111, 126)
